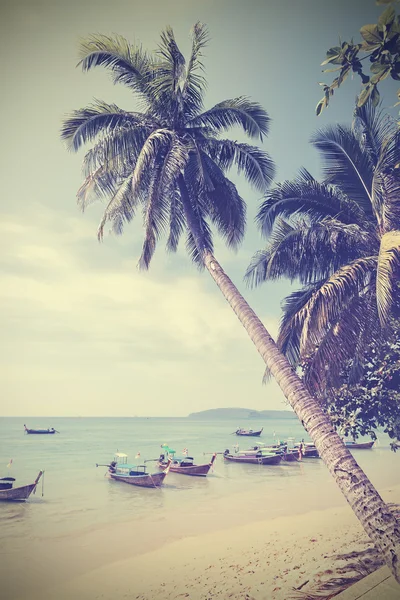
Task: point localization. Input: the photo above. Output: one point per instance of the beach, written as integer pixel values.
(266, 560)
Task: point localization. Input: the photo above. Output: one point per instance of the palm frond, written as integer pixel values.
(121, 208)
(371, 126)
(195, 84)
(116, 152)
(325, 306)
(225, 207)
(306, 198)
(156, 145)
(256, 165)
(192, 248)
(197, 172)
(307, 252)
(199, 233)
(169, 70)
(85, 124)
(155, 216)
(372, 332)
(240, 112)
(128, 64)
(334, 346)
(177, 223)
(292, 320)
(386, 185)
(98, 185)
(345, 164)
(388, 265)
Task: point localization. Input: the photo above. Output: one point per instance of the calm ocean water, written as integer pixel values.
(79, 501)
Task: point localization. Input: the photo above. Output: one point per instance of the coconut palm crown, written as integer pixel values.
(340, 238)
(167, 159)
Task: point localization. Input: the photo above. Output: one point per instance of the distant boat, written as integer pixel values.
(359, 445)
(120, 470)
(248, 432)
(8, 493)
(256, 457)
(41, 431)
(184, 465)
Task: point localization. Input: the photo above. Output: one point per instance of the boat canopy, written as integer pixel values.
(168, 449)
(121, 458)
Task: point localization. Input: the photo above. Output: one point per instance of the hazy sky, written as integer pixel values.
(83, 331)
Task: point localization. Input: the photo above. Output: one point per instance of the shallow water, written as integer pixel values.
(84, 519)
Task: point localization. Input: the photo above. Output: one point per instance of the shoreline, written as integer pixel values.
(261, 560)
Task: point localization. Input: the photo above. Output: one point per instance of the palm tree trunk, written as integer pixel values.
(376, 518)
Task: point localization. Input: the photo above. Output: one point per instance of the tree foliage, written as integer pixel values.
(375, 401)
(340, 239)
(375, 58)
(168, 159)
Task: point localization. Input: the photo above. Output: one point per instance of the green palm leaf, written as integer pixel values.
(254, 163)
(325, 306)
(169, 70)
(345, 164)
(307, 251)
(129, 64)
(386, 185)
(240, 112)
(86, 124)
(195, 84)
(306, 198)
(338, 344)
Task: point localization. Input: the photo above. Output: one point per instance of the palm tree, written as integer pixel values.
(169, 160)
(340, 239)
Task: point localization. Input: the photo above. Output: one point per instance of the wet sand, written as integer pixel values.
(264, 560)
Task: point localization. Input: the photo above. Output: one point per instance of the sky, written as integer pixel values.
(83, 331)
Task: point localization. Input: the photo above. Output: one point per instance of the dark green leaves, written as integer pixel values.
(386, 18)
(371, 35)
(334, 56)
(380, 45)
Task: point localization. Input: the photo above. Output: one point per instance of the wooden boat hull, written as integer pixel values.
(249, 433)
(19, 494)
(290, 456)
(359, 445)
(39, 431)
(192, 470)
(312, 453)
(255, 460)
(148, 480)
(308, 451)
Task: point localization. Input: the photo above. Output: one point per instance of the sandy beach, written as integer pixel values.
(260, 561)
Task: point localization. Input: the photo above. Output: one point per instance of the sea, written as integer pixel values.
(80, 519)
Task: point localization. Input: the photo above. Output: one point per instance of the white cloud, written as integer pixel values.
(72, 325)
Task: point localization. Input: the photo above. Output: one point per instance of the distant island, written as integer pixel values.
(242, 413)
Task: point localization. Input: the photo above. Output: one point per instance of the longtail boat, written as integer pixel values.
(281, 449)
(359, 445)
(257, 457)
(41, 431)
(120, 470)
(249, 432)
(183, 465)
(8, 493)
